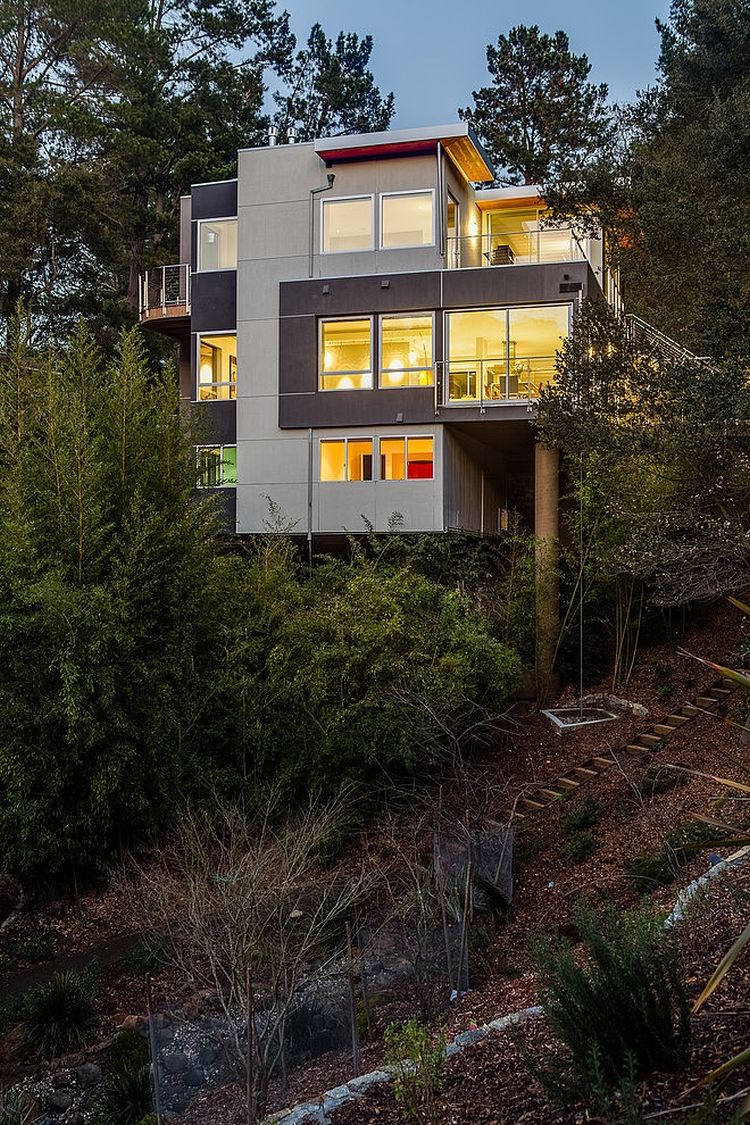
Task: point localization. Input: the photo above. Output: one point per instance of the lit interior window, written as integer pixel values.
(217, 367)
(406, 351)
(333, 460)
(392, 458)
(216, 466)
(359, 459)
(347, 224)
(217, 245)
(406, 220)
(346, 359)
(419, 458)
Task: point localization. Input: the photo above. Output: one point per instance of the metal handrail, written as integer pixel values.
(164, 287)
(502, 248)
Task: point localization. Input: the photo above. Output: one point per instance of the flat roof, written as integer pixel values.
(459, 141)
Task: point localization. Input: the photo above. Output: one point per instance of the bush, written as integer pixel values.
(665, 692)
(658, 779)
(581, 845)
(148, 956)
(58, 1015)
(623, 1007)
(128, 1051)
(417, 1060)
(125, 1098)
(585, 814)
(649, 870)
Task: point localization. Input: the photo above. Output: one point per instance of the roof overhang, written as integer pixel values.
(493, 199)
(459, 141)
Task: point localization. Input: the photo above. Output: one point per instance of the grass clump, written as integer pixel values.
(128, 1051)
(584, 815)
(622, 1008)
(17, 1109)
(148, 956)
(581, 845)
(125, 1098)
(648, 870)
(658, 779)
(58, 1015)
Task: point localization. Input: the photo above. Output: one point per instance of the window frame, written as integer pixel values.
(405, 438)
(326, 202)
(197, 384)
(379, 356)
(215, 219)
(221, 446)
(408, 245)
(370, 317)
(347, 479)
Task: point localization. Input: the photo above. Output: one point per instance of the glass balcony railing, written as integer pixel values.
(514, 248)
(479, 382)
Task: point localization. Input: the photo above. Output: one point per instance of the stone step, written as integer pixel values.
(664, 729)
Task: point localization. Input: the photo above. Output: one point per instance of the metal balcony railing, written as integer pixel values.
(514, 248)
(492, 382)
(165, 291)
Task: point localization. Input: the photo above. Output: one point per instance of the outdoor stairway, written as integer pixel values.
(651, 740)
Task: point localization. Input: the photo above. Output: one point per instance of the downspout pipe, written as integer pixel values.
(313, 192)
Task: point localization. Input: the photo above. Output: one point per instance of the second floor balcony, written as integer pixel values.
(165, 293)
(514, 248)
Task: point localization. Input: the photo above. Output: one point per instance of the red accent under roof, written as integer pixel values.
(376, 152)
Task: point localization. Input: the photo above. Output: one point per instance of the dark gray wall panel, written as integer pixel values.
(357, 408)
(514, 285)
(214, 301)
(347, 296)
(214, 422)
(214, 201)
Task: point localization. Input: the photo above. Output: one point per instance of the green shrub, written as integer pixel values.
(128, 1051)
(649, 870)
(585, 814)
(581, 845)
(658, 779)
(125, 1098)
(59, 1014)
(665, 692)
(622, 1007)
(417, 1058)
(148, 956)
(37, 945)
(149, 1119)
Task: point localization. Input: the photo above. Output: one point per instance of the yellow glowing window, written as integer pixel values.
(217, 367)
(392, 458)
(216, 466)
(217, 244)
(406, 351)
(407, 458)
(406, 219)
(346, 459)
(347, 224)
(346, 355)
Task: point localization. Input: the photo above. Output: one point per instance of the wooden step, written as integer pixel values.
(568, 782)
(636, 748)
(690, 710)
(664, 729)
(603, 763)
(706, 701)
(551, 794)
(648, 739)
(730, 685)
(530, 803)
(677, 720)
(719, 692)
(586, 771)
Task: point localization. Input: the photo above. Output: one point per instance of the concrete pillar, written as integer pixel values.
(547, 531)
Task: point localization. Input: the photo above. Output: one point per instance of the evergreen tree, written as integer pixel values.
(540, 119)
(330, 89)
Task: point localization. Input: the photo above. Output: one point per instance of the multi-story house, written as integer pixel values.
(364, 329)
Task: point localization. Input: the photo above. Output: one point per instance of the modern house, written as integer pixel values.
(364, 329)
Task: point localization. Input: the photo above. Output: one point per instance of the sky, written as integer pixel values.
(431, 53)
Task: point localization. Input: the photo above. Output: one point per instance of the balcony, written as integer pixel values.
(514, 248)
(491, 382)
(165, 295)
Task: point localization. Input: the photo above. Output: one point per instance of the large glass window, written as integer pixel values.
(347, 224)
(406, 458)
(217, 367)
(346, 355)
(500, 354)
(346, 459)
(406, 219)
(217, 244)
(216, 466)
(406, 351)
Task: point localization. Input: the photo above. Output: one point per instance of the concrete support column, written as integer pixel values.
(547, 531)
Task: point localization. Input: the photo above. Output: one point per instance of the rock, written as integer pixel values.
(466, 1038)
(176, 1063)
(365, 1081)
(207, 1056)
(163, 1036)
(195, 1077)
(311, 1110)
(59, 1101)
(89, 1074)
(337, 1092)
(130, 1023)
